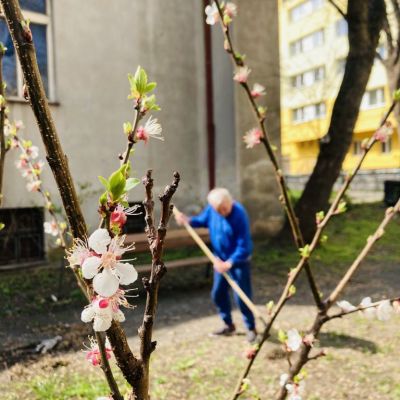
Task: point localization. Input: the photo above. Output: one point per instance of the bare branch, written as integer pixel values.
(338, 9)
(158, 269)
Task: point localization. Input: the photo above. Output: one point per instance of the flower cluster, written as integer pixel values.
(93, 354)
(252, 137)
(295, 389)
(100, 260)
(384, 132)
(382, 311)
(229, 11)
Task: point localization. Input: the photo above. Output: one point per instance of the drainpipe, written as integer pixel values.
(209, 101)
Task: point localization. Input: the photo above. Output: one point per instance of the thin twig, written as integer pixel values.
(3, 149)
(285, 199)
(314, 243)
(321, 319)
(158, 269)
(338, 9)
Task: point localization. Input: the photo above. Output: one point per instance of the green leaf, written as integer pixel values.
(149, 103)
(117, 183)
(2, 226)
(396, 95)
(292, 290)
(150, 86)
(141, 80)
(305, 251)
(103, 199)
(282, 336)
(104, 182)
(131, 183)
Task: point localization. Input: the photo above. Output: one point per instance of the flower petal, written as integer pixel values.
(99, 240)
(90, 267)
(101, 324)
(105, 283)
(88, 314)
(119, 316)
(127, 273)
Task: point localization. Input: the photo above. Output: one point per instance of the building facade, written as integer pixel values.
(313, 47)
(85, 51)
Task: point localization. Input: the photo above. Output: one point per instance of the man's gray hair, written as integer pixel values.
(218, 195)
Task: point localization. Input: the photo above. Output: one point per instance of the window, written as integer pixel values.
(373, 98)
(305, 8)
(340, 66)
(307, 43)
(357, 148)
(308, 78)
(341, 27)
(37, 11)
(386, 147)
(382, 51)
(308, 113)
(22, 239)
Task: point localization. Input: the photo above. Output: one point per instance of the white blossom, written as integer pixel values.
(370, 312)
(212, 14)
(384, 310)
(294, 340)
(346, 306)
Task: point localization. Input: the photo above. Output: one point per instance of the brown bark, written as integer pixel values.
(365, 21)
(22, 40)
(3, 149)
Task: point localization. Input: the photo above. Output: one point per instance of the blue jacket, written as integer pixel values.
(230, 236)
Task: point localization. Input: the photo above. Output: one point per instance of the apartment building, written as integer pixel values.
(314, 45)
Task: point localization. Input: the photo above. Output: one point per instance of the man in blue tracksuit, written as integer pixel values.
(229, 231)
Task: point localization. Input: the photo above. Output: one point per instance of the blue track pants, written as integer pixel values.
(220, 293)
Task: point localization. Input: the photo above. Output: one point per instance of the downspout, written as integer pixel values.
(210, 126)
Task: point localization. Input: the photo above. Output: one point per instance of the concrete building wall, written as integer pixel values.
(96, 44)
(256, 35)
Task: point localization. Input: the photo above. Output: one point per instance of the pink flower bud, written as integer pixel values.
(118, 216)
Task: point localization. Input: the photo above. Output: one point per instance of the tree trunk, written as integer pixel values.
(365, 21)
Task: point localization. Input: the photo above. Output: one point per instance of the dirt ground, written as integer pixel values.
(361, 361)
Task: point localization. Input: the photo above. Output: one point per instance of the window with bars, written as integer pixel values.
(38, 13)
(22, 239)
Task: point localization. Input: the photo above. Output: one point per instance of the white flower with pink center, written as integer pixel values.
(151, 129)
(93, 354)
(78, 253)
(33, 186)
(32, 152)
(295, 390)
(258, 90)
(22, 163)
(212, 14)
(230, 10)
(104, 267)
(345, 306)
(51, 228)
(253, 137)
(384, 132)
(103, 310)
(294, 340)
(384, 311)
(242, 74)
(370, 312)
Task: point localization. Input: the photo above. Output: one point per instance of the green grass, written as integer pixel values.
(347, 234)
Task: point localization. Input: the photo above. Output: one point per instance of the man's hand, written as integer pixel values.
(222, 266)
(181, 218)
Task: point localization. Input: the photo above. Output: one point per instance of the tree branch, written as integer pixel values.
(3, 149)
(285, 199)
(23, 43)
(321, 319)
(338, 9)
(158, 269)
(314, 243)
